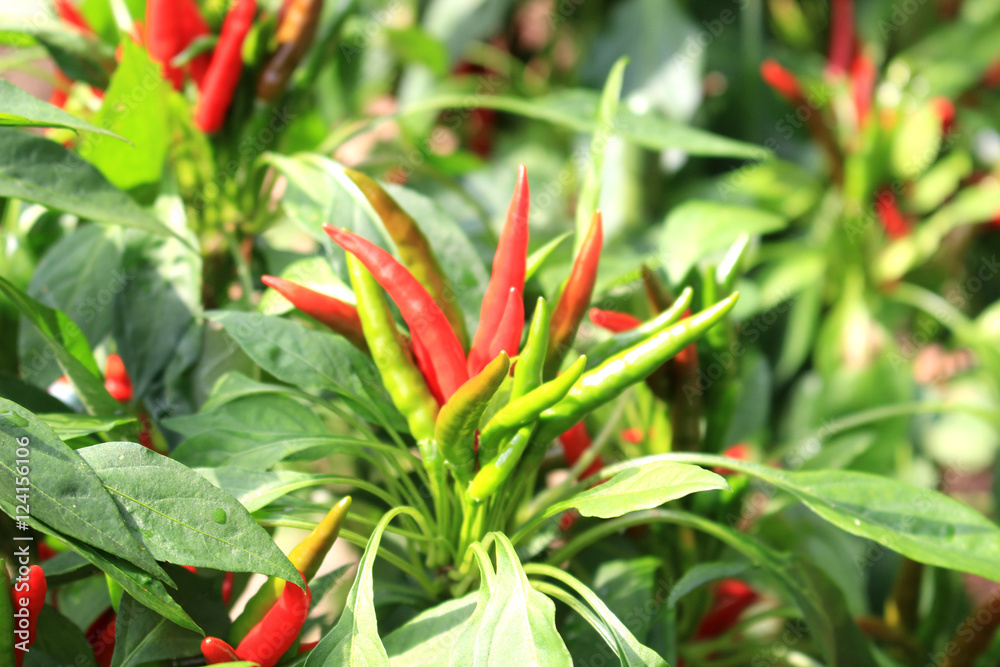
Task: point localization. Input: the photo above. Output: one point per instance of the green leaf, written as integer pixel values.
(135, 106)
(696, 229)
(69, 346)
(416, 46)
(234, 385)
(21, 109)
(196, 523)
(590, 191)
(630, 651)
(68, 425)
(426, 639)
(640, 488)
(355, 639)
(916, 142)
(45, 172)
(537, 258)
(60, 640)
(29, 396)
(142, 636)
(80, 57)
(517, 623)
(311, 359)
(256, 489)
(64, 492)
(703, 573)
(922, 524)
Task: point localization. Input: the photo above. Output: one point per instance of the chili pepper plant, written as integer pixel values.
(301, 368)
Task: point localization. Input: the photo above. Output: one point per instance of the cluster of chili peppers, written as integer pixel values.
(173, 28)
(482, 409)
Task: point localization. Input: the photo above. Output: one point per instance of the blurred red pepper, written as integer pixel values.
(338, 315)
(28, 593)
(841, 36)
(116, 379)
(227, 588)
(863, 76)
(945, 110)
(633, 435)
(738, 452)
(509, 266)
(223, 73)
(101, 637)
(730, 599)
(192, 27)
(165, 36)
(575, 441)
(614, 321)
(782, 81)
(575, 297)
(895, 223)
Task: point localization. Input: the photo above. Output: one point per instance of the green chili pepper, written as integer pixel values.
(531, 361)
(414, 249)
(626, 339)
(458, 420)
(493, 474)
(6, 617)
(611, 378)
(527, 408)
(400, 375)
(725, 273)
(307, 556)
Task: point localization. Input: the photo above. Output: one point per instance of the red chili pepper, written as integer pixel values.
(782, 81)
(45, 551)
(116, 379)
(575, 442)
(165, 37)
(101, 637)
(339, 315)
(28, 597)
(633, 435)
(217, 651)
(223, 73)
(945, 110)
(863, 85)
(434, 342)
(508, 335)
(575, 297)
(71, 16)
(895, 223)
(614, 321)
(227, 588)
(509, 266)
(193, 26)
(841, 36)
(738, 452)
(730, 599)
(277, 631)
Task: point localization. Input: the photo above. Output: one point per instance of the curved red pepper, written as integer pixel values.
(339, 315)
(575, 442)
(434, 342)
(575, 297)
(27, 594)
(614, 321)
(277, 631)
(509, 266)
(508, 334)
(223, 73)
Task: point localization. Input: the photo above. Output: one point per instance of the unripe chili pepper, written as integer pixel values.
(414, 249)
(574, 298)
(614, 321)
(277, 631)
(28, 598)
(455, 431)
(433, 336)
(531, 361)
(575, 441)
(338, 315)
(526, 409)
(6, 616)
(217, 652)
(496, 471)
(307, 556)
(391, 354)
(296, 31)
(223, 73)
(508, 334)
(599, 385)
(626, 339)
(509, 266)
